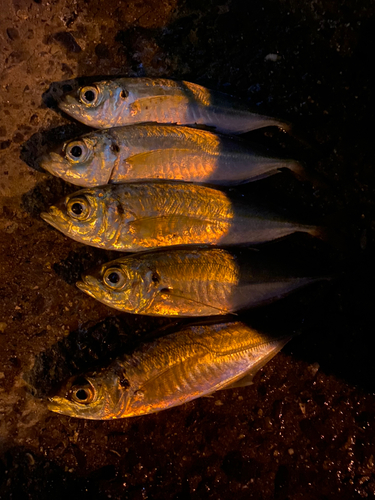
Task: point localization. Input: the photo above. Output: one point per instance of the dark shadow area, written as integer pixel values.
(71, 268)
(28, 474)
(46, 140)
(56, 90)
(20, 465)
(89, 348)
(45, 194)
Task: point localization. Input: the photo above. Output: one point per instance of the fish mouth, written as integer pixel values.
(53, 218)
(60, 405)
(56, 404)
(53, 163)
(88, 285)
(67, 103)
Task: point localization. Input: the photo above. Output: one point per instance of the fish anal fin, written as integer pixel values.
(242, 382)
(248, 377)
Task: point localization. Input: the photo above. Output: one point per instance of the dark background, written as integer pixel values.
(305, 428)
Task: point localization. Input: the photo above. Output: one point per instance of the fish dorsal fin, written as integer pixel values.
(179, 294)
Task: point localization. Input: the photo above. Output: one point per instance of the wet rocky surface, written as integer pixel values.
(305, 428)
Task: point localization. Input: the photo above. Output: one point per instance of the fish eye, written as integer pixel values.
(77, 151)
(114, 278)
(82, 392)
(78, 208)
(89, 96)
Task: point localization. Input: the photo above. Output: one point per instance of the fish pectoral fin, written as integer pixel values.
(164, 156)
(179, 294)
(166, 225)
(155, 103)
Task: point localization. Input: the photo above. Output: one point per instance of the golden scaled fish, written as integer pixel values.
(134, 217)
(151, 151)
(192, 281)
(125, 101)
(170, 371)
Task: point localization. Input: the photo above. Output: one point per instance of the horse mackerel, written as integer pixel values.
(140, 216)
(153, 151)
(193, 281)
(170, 371)
(124, 101)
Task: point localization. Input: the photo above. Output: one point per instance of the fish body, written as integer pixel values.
(170, 371)
(139, 216)
(191, 282)
(152, 151)
(125, 101)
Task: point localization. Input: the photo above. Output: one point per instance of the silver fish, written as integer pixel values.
(134, 217)
(192, 282)
(170, 371)
(123, 101)
(151, 151)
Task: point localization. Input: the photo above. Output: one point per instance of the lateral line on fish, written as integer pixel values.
(176, 216)
(176, 363)
(199, 356)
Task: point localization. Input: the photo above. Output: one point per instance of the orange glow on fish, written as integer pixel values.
(173, 370)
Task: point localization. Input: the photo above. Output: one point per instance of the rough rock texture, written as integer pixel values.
(304, 430)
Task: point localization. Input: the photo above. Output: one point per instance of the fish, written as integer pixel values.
(170, 371)
(152, 151)
(135, 217)
(125, 101)
(192, 281)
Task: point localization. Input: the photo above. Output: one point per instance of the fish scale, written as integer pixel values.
(194, 282)
(154, 214)
(169, 371)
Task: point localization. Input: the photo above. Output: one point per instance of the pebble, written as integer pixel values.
(272, 57)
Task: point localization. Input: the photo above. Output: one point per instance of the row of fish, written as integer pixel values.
(140, 174)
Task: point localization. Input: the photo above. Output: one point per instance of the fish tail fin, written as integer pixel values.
(285, 126)
(304, 174)
(334, 232)
(282, 125)
(295, 167)
(294, 132)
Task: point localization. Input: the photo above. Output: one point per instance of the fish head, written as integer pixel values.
(97, 105)
(80, 215)
(87, 161)
(102, 395)
(123, 284)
